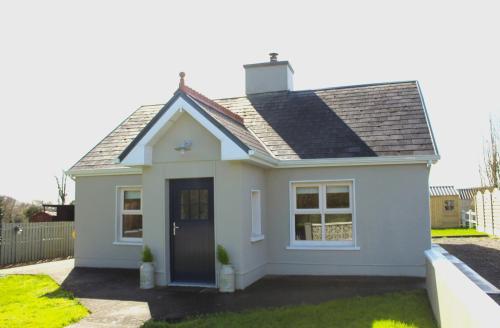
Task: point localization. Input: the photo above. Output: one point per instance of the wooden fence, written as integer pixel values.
(488, 211)
(28, 242)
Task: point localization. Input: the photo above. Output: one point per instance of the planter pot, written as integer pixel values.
(226, 279)
(147, 275)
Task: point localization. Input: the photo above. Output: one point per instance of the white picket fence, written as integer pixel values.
(28, 242)
(469, 219)
(488, 212)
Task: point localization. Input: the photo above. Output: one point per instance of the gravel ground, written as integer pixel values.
(481, 254)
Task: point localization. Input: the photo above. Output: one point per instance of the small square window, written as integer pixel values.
(132, 226)
(131, 200)
(308, 227)
(337, 196)
(307, 197)
(449, 205)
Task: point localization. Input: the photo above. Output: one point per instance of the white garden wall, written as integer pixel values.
(456, 301)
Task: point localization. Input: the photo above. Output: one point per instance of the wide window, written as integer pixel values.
(322, 213)
(130, 214)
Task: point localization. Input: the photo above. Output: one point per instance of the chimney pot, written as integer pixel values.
(273, 57)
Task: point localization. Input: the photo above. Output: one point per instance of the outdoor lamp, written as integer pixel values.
(18, 229)
(184, 147)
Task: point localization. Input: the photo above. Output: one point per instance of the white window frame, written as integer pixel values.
(256, 216)
(322, 210)
(120, 194)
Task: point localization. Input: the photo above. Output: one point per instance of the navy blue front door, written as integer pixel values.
(192, 258)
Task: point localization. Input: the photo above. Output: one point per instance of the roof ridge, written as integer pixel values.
(325, 89)
(211, 103)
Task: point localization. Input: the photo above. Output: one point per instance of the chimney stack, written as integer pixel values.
(268, 77)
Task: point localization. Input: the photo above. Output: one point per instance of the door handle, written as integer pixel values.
(174, 228)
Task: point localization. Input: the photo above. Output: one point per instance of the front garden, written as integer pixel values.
(395, 310)
(36, 301)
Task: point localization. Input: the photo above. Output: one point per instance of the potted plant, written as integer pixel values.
(226, 274)
(147, 269)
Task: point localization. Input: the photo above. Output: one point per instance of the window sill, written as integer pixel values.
(128, 243)
(323, 248)
(256, 238)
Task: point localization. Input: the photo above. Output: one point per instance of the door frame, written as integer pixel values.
(171, 239)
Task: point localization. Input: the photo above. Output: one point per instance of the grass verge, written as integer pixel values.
(31, 301)
(395, 310)
(457, 232)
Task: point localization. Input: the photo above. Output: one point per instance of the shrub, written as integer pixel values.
(147, 256)
(222, 255)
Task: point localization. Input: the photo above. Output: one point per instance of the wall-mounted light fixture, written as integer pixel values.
(18, 229)
(186, 146)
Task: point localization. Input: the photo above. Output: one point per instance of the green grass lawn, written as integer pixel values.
(31, 301)
(457, 232)
(396, 310)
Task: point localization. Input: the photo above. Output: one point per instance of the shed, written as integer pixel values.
(41, 217)
(445, 207)
(63, 212)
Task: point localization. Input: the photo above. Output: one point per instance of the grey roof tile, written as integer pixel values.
(372, 120)
(376, 120)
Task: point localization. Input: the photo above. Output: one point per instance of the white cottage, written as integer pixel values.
(331, 181)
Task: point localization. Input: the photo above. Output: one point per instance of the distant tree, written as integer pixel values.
(12, 210)
(1, 209)
(8, 209)
(61, 188)
(490, 169)
(30, 210)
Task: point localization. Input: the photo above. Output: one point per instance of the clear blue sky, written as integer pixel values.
(70, 72)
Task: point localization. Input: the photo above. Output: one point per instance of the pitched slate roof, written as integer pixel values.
(105, 153)
(443, 191)
(369, 120)
(372, 120)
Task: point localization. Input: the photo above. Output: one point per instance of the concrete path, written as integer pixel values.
(476, 278)
(104, 312)
(58, 270)
(482, 254)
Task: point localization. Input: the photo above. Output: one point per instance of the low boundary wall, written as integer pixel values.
(456, 301)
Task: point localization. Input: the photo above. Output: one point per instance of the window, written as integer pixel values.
(256, 216)
(322, 213)
(449, 205)
(129, 228)
(194, 204)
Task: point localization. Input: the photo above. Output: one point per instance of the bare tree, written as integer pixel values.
(1, 209)
(8, 209)
(490, 169)
(61, 188)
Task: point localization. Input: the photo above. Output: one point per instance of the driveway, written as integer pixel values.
(482, 254)
(115, 299)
